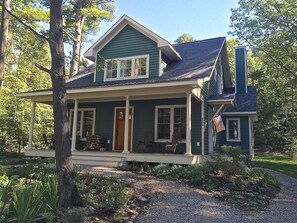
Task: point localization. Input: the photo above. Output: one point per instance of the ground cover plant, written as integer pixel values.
(284, 163)
(29, 194)
(227, 176)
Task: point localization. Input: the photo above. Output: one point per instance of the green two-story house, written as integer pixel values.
(140, 85)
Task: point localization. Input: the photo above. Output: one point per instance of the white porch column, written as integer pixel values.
(126, 135)
(74, 125)
(189, 124)
(32, 125)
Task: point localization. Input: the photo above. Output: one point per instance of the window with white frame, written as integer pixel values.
(125, 68)
(233, 129)
(85, 122)
(169, 119)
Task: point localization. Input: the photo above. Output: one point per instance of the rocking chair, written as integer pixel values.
(174, 144)
(147, 144)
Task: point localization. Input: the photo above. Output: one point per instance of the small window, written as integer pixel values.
(168, 120)
(124, 68)
(85, 122)
(233, 130)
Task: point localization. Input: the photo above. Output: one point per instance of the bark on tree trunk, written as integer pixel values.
(68, 193)
(76, 49)
(3, 38)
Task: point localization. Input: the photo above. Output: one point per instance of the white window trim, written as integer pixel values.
(81, 121)
(147, 56)
(172, 107)
(227, 130)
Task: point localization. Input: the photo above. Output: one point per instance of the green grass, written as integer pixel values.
(279, 162)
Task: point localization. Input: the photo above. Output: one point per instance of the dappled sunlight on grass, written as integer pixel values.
(278, 162)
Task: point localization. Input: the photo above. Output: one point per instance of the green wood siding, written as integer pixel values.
(244, 134)
(144, 121)
(129, 42)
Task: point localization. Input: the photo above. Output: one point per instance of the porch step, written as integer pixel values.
(102, 161)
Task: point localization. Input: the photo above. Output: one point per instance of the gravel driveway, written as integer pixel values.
(178, 203)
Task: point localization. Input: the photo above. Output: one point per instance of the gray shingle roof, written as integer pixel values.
(198, 59)
(245, 102)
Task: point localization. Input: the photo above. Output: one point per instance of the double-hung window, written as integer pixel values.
(233, 129)
(125, 68)
(169, 119)
(85, 122)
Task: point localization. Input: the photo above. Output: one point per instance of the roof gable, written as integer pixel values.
(163, 44)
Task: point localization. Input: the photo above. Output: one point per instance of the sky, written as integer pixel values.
(169, 19)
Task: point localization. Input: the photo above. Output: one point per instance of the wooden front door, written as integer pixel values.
(120, 129)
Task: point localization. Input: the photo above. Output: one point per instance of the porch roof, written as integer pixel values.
(221, 99)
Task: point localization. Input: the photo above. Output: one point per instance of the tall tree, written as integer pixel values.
(68, 192)
(3, 38)
(184, 38)
(269, 26)
(84, 17)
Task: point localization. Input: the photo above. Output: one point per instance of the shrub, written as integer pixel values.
(3, 170)
(102, 192)
(232, 151)
(212, 185)
(73, 215)
(50, 196)
(26, 204)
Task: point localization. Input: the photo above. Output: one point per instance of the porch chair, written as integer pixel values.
(48, 143)
(174, 144)
(147, 144)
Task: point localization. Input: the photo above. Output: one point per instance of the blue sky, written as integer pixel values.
(170, 18)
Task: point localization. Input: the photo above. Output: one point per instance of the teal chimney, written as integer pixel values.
(240, 69)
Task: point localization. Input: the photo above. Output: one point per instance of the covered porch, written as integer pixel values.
(139, 109)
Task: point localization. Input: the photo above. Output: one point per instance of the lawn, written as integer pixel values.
(279, 162)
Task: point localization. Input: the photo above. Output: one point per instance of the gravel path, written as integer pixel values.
(178, 203)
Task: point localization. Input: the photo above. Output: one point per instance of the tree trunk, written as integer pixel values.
(68, 193)
(76, 49)
(3, 38)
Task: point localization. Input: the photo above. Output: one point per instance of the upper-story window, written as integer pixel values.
(125, 68)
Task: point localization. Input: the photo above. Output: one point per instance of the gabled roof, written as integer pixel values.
(199, 59)
(163, 44)
(245, 102)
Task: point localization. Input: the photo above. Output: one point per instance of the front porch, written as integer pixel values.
(116, 159)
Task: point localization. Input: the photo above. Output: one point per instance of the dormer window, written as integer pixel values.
(126, 68)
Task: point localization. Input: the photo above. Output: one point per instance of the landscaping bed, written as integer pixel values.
(29, 194)
(226, 177)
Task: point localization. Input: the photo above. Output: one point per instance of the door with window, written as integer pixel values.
(120, 128)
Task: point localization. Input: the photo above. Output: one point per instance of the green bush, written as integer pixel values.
(3, 170)
(232, 151)
(50, 196)
(102, 192)
(72, 216)
(212, 185)
(26, 204)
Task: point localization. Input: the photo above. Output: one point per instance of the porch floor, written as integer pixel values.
(115, 159)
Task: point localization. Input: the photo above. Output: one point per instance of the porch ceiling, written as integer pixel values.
(109, 94)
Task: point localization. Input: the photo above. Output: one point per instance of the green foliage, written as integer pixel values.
(232, 151)
(226, 165)
(26, 204)
(105, 193)
(72, 215)
(212, 185)
(184, 38)
(50, 195)
(263, 177)
(191, 174)
(268, 27)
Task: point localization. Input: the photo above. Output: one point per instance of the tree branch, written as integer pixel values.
(23, 23)
(69, 35)
(43, 68)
